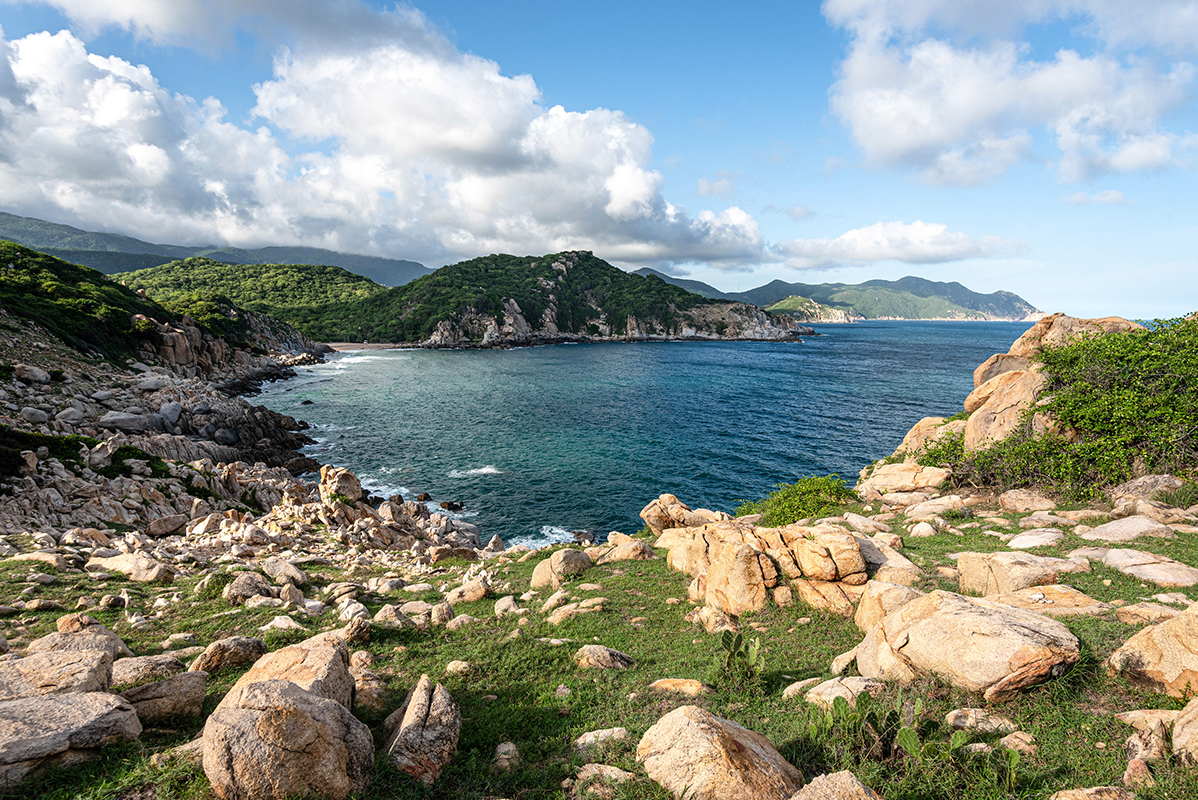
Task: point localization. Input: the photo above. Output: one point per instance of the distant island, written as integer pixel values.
(906, 298)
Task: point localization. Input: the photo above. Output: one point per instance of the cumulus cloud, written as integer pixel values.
(419, 151)
(1109, 196)
(915, 243)
(799, 212)
(964, 113)
(722, 185)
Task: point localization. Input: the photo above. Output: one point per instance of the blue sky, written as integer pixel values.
(1045, 147)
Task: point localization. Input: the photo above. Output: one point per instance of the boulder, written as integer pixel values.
(996, 365)
(977, 645)
(1055, 600)
(884, 563)
(1006, 397)
(735, 582)
(562, 564)
(1037, 537)
(829, 596)
(1094, 793)
(1002, 573)
(1128, 529)
(1145, 613)
(980, 720)
(596, 656)
(667, 511)
(1185, 735)
(283, 572)
(49, 730)
(1022, 501)
(882, 598)
(925, 432)
(1058, 329)
(1162, 657)
(247, 585)
(178, 695)
(28, 373)
(695, 754)
(841, 785)
(592, 738)
(930, 509)
(687, 686)
(139, 567)
(391, 617)
(423, 732)
(470, 592)
(337, 482)
(901, 478)
(1145, 487)
(824, 694)
(145, 669)
(55, 673)
(272, 740)
(78, 632)
(1161, 570)
(164, 526)
(319, 665)
(627, 549)
(233, 651)
(127, 423)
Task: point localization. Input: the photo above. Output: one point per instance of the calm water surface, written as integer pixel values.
(539, 442)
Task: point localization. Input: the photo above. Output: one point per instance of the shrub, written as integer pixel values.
(790, 502)
(1183, 496)
(738, 670)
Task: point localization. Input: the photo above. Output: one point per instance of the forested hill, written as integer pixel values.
(113, 253)
(906, 298)
(274, 289)
(515, 299)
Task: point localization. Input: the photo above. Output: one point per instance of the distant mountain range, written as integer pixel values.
(907, 298)
(111, 253)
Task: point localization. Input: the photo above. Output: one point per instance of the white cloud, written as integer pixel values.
(723, 185)
(1109, 196)
(915, 243)
(799, 212)
(963, 114)
(424, 153)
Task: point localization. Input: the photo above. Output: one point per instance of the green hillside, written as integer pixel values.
(698, 287)
(113, 253)
(907, 298)
(270, 288)
(77, 304)
(579, 294)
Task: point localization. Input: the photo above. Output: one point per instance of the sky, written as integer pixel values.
(1043, 147)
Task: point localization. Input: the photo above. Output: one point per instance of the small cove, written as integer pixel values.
(539, 442)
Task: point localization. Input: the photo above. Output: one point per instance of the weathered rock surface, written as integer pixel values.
(565, 563)
(145, 669)
(975, 644)
(139, 567)
(1162, 657)
(841, 785)
(272, 740)
(55, 673)
(1055, 600)
(695, 754)
(319, 665)
(60, 729)
(887, 564)
(1161, 570)
(178, 695)
(1006, 397)
(1185, 734)
(77, 632)
(901, 478)
(423, 732)
(823, 694)
(1128, 529)
(596, 656)
(1022, 501)
(233, 651)
(1002, 573)
(881, 598)
(667, 511)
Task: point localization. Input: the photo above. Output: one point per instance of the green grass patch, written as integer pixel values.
(805, 498)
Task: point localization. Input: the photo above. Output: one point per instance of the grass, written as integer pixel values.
(1068, 716)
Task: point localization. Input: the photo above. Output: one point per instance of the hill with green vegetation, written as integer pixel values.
(906, 298)
(112, 253)
(805, 309)
(274, 289)
(554, 294)
(77, 304)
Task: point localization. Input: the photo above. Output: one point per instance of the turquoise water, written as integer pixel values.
(539, 442)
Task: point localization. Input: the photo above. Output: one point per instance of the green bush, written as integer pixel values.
(1183, 496)
(739, 668)
(791, 502)
(1124, 404)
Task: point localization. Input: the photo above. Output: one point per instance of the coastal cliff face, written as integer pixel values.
(513, 327)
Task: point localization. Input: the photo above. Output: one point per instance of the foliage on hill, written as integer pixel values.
(810, 497)
(269, 288)
(807, 310)
(907, 298)
(1127, 401)
(77, 304)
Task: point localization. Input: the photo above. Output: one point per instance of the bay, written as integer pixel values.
(539, 442)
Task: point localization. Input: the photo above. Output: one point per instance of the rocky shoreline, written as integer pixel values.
(124, 484)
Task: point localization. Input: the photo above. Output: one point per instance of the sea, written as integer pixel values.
(541, 443)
